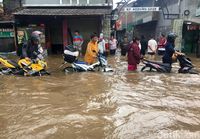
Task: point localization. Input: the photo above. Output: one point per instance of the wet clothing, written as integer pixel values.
(133, 55)
(169, 51)
(124, 47)
(162, 42)
(132, 67)
(101, 46)
(91, 52)
(143, 46)
(31, 51)
(113, 46)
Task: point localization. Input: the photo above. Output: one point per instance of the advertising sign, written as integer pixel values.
(141, 9)
(6, 33)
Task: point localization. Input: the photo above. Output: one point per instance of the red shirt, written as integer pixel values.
(162, 42)
(133, 54)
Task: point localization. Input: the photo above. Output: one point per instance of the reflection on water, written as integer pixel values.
(118, 105)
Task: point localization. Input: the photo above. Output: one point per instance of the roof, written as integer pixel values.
(7, 22)
(70, 12)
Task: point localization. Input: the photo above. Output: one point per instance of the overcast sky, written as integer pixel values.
(114, 3)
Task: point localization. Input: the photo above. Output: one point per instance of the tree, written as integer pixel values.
(10, 6)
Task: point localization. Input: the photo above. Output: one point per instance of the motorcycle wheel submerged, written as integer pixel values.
(68, 70)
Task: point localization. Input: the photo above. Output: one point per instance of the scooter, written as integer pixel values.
(70, 57)
(9, 67)
(23, 67)
(34, 67)
(156, 66)
(185, 66)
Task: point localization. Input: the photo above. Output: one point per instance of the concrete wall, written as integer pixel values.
(165, 25)
(106, 28)
(190, 5)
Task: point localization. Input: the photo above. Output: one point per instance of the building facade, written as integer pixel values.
(58, 19)
(7, 25)
(179, 16)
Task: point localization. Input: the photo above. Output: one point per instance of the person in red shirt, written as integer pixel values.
(161, 44)
(133, 54)
(162, 40)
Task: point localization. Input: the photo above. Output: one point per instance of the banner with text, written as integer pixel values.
(141, 9)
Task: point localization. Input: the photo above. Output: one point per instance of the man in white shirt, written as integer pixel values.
(152, 47)
(101, 44)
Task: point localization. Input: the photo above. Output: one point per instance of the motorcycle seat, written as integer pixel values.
(155, 62)
(80, 62)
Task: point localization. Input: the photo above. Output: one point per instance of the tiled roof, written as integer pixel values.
(70, 12)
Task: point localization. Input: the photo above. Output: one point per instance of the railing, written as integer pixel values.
(67, 2)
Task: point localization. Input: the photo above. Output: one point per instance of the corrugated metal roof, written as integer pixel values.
(52, 11)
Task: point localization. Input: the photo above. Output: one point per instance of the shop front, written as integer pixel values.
(58, 25)
(191, 35)
(7, 39)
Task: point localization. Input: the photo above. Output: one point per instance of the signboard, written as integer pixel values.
(141, 9)
(171, 16)
(118, 24)
(6, 33)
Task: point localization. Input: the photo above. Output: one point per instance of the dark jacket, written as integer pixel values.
(169, 50)
(144, 45)
(133, 54)
(124, 46)
(30, 51)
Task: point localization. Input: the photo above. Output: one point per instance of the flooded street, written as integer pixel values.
(97, 105)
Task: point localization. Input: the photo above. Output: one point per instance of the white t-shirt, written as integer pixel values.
(113, 44)
(101, 46)
(152, 45)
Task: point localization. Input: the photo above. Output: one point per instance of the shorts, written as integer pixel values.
(112, 52)
(132, 67)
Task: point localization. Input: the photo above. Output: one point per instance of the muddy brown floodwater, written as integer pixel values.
(96, 105)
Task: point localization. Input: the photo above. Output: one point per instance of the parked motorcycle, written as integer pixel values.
(33, 67)
(23, 67)
(9, 67)
(70, 57)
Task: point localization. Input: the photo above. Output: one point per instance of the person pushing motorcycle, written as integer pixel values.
(170, 53)
(92, 50)
(33, 49)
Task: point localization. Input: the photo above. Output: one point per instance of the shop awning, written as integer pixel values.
(193, 20)
(63, 12)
